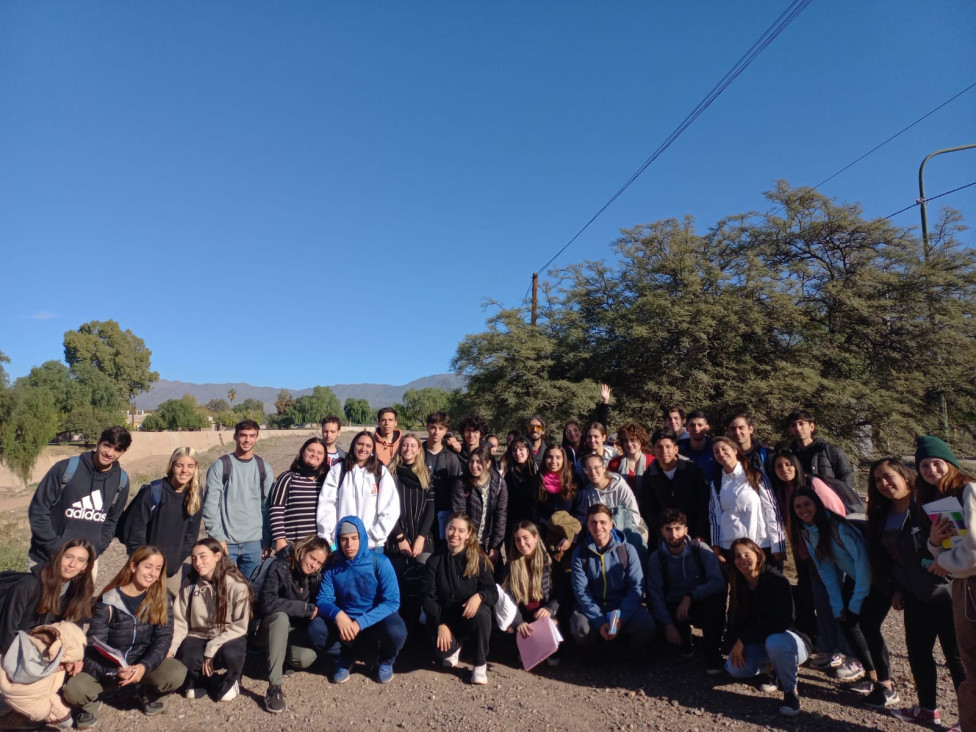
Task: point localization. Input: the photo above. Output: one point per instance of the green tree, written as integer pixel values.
(31, 423)
(176, 415)
(311, 408)
(4, 379)
(248, 409)
(232, 395)
(216, 406)
(358, 411)
(86, 399)
(418, 403)
(120, 355)
(284, 402)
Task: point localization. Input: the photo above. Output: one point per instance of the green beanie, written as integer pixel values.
(928, 446)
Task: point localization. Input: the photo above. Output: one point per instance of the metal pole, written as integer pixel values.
(923, 206)
(535, 297)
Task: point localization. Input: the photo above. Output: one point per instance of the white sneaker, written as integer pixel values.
(479, 676)
(194, 692)
(452, 660)
(850, 670)
(231, 693)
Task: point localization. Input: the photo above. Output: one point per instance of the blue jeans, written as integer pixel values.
(785, 651)
(831, 638)
(246, 555)
(387, 636)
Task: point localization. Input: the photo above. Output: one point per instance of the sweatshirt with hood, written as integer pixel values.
(364, 587)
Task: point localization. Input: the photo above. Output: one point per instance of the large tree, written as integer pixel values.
(30, 424)
(176, 414)
(358, 411)
(810, 305)
(119, 354)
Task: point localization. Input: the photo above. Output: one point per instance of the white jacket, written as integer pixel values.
(376, 504)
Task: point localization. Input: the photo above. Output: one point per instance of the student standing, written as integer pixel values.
(294, 499)
(331, 429)
(442, 464)
(535, 432)
(234, 509)
(483, 495)
(634, 460)
(817, 456)
(387, 435)
(360, 486)
(671, 482)
(167, 513)
(81, 497)
(522, 481)
(697, 447)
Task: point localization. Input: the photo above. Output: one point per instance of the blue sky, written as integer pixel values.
(302, 193)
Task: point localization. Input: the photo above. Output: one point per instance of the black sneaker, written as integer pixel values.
(882, 697)
(149, 703)
(791, 704)
(714, 664)
(274, 700)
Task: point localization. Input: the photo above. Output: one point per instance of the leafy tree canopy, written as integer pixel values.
(120, 355)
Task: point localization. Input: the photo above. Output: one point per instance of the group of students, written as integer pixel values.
(345, 555)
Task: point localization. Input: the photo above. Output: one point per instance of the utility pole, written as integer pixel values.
(535, 297)
(923, 206)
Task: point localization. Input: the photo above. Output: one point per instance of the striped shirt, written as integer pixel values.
(292, 506)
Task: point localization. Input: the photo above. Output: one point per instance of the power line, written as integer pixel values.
(903, 130)
(930, 198)
(768, 36)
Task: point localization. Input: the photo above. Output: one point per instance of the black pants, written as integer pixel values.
(229, 656)
(864, 634)
(923, 623)
(806, 617)
(474, 631)
(707, 614)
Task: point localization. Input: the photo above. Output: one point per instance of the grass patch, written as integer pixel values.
(15, 540)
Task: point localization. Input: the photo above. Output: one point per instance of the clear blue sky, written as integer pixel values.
(302, 193)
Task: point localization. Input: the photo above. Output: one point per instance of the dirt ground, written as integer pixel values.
(666, 693)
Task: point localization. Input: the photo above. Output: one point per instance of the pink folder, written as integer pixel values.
(542, 643)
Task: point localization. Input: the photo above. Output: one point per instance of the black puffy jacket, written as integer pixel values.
(139, 641)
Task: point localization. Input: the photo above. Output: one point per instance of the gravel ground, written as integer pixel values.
(667, 693)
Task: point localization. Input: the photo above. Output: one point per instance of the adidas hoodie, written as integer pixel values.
(88, 508)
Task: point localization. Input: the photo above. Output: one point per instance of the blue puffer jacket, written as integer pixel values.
(601, 582)
(850, 558)
(364, 587)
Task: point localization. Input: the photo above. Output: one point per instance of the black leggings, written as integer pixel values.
(229, 656)
(863, 632)
(475, 631)
(923, 623)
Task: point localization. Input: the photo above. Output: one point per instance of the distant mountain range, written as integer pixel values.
(378, 395)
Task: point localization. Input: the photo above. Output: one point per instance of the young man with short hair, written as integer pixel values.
(817, 456)
(673, 483)
(740, 430)
(443, 465)
(608, 582)
(674, 419)
(535, 433)
(235, 505)
(387, 435)
(685, 588)
(473, 429)
(81, 497)
(331, 428)
(698, 445)
(357, 605)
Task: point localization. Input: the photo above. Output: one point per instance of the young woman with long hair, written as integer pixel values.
(532, 581)
(940, 476)
(412, 535)
(294, 496)
(572, 440)
(839, 554)
(286, 606)
(459, 595)
(360, 486)
(813, 603)
(741, 505)
(557, 488)
(61, 590)
(482, 494)
(522, 481)
(167, 513)
(761, 625)
(133, 615)
(897, 533)
(211, 615)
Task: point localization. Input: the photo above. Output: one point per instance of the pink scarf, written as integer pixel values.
(550, 481)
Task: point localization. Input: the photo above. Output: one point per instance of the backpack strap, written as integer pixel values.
(156, 488)
(69, 473)
(228, 467)
(622, 555)
(228, 464)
